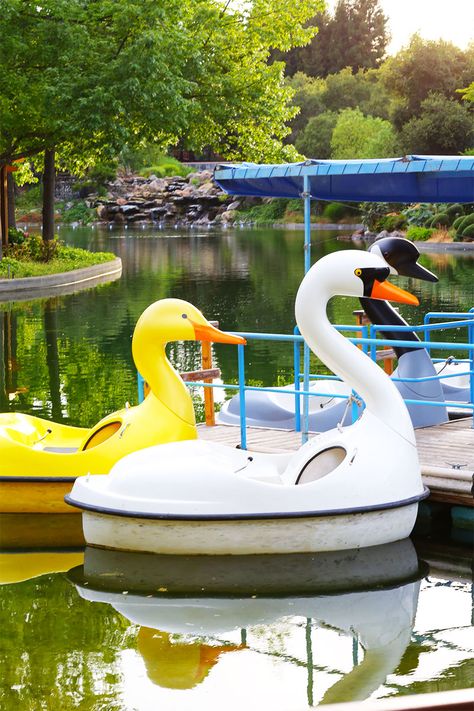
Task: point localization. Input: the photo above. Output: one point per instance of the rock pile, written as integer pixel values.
(194, 200)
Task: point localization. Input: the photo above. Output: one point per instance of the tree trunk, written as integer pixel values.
(49, 176)
(11, 200)
(52, 358)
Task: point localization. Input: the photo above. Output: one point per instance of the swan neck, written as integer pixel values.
(347, 361)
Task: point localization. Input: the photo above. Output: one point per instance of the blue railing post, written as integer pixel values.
(426, 332)
(296, 368)
(365, 334)
(243, 426)
(470, 331)
(140, 387)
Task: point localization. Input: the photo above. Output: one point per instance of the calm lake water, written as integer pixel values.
(125, 632)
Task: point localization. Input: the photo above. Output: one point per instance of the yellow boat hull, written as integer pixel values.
(40, 460)
(35, 496)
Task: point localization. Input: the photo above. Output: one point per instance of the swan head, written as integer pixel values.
(348, 273)
(401, 256)
(177, 320)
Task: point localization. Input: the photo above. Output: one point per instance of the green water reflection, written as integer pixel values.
(68, 358)
(138, 632)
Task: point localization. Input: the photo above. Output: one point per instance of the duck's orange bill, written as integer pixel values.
(390, 292)
(206, 332)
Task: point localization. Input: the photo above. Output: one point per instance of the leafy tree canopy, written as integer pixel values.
(443, 127)
(355, 36)
(91, 76)
(425, 66)
(315, 96)
(315, 140)
(359, 136)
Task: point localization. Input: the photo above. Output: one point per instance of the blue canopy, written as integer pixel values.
(408, 179)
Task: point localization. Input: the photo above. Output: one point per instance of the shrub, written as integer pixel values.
(78, 212)
(468, 220)
(392, 222)
(33, 248)
(335, 211)
(442, 219)
(458, 221)
(455, 209)
(468, 232)
(16, 236)
(371, 212)
(419, 234)
(271, 211)
(166, 167)
(419, 214)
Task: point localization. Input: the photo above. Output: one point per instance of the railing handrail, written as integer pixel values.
(369, 341)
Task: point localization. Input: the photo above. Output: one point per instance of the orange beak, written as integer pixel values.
(390, 292)
(209, 333)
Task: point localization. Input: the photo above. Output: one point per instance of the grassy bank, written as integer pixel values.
(65, 260)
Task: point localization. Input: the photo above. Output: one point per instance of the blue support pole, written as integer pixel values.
(243, 428)
(297, 377)
(307, 265)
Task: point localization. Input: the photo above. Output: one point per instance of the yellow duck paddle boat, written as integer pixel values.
(39, 460)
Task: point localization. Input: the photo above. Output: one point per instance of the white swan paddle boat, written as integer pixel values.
(267, 408)
(350, 487)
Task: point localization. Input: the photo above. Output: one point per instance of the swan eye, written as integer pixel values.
(358, 272)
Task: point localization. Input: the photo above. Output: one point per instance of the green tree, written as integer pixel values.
(443, 127)
(346, 90)
(83, 79)
(308, 98)
(314, 96)
(423, 67)
(355, 36)
(315, 140)
(359, 136)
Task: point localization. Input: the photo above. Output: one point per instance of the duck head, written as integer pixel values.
(401, 255)
(176, 320)
(164, 321)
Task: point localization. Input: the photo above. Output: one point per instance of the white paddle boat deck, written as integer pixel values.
(446, 453)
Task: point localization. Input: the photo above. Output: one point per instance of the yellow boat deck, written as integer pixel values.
(446, 453)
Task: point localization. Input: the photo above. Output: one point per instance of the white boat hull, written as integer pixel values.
(249, 536)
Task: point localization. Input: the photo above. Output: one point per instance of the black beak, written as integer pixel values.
(414, 269)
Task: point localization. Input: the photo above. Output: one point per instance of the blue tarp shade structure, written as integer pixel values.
(408, 179)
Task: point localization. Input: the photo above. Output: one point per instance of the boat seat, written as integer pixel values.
(60, 450)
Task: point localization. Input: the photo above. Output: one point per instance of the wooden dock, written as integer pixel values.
(446, 453)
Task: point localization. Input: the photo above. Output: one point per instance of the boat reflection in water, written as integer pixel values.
(370, 594)
(37, 544)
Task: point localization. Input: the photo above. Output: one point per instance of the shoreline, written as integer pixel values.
(27, 288)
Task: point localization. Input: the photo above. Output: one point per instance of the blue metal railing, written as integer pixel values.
(369, 343)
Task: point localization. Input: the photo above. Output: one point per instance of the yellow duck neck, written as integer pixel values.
(165, 383)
